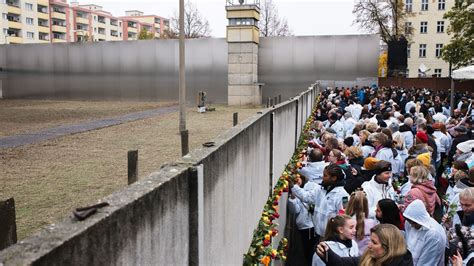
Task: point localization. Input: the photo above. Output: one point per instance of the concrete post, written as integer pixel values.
(132, 157)
(7, 223)
(243, 39)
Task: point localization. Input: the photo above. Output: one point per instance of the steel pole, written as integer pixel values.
(182, 84)
(182, 81)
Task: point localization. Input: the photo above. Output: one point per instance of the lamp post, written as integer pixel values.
(182, 84)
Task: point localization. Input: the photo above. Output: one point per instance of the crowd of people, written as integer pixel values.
(388, 179)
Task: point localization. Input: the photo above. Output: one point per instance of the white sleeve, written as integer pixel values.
(306, 196)
(432, 249)
(294, 206)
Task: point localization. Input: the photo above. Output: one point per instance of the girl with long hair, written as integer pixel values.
(339, 236)
(358, 208)
(387, 212)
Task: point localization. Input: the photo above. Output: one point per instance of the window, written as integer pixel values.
(424, 5)
(441, 4)
(5, 16)
(439, 46)
(422, 51)
(30, 35)
(29, 21)
(409, 5)
(407, 28)
(440, 27)
(437, 73)
(28, 6)
(408, 50)
(424, 27)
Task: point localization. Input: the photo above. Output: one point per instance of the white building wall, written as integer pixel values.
(3, 21)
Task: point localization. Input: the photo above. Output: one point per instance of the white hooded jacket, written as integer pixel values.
(375, 192)
(327, 204)
(314, 171)
(427, 244)
(303, 217)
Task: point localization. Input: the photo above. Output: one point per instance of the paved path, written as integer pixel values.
(56, 132)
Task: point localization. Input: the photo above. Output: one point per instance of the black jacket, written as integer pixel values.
(334, 259)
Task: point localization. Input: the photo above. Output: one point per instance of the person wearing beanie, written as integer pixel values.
(421, 137)
(460, 135)
(425, 158)
(423, 128)
(464, 152)
(370, 163)
(421, 145)
(380, 186)
(348, 142)
(425, 237)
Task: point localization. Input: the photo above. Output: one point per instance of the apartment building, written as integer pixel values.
(429, 36)
(153, 24)
(56, 21)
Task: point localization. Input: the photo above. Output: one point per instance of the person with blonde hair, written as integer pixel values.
(422, 189)
(358, 208)
(386, 247)
(365, 145)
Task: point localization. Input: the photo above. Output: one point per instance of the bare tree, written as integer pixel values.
(270, 24)
(195, 25)
(386, 17)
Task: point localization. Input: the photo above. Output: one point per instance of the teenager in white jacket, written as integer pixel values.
(426, 238)
(303, 212)
(327, 197)
(379, 187)
(340, 234)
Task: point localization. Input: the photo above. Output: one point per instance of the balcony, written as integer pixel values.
(58, 28)
(43, 29)
(14, 10)
(132, 36)
(42, 2)
(43, 37)
(13, 40)
(101, 19)
(101, 31)
(82, 20)
(113, 22)
(133, 30)
(58, 15)
(59, 37)
(43, 15)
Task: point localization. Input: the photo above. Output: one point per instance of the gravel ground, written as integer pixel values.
(50, 178)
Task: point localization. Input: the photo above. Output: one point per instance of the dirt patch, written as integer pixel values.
(50, 178)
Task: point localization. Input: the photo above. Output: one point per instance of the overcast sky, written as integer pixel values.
(305, 17)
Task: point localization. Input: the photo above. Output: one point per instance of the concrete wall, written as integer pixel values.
(145, 223)
(148, 70)
(288, 64)
(201, 210)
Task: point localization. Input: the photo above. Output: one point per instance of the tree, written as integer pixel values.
(270, 24)
(459, 51)
(145, 35)
(385, 17)
(195, 25)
